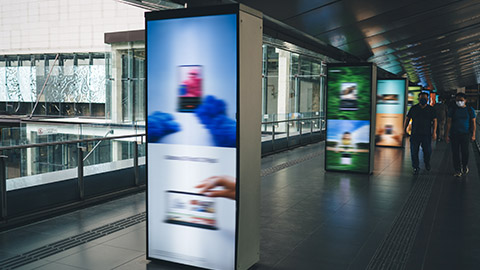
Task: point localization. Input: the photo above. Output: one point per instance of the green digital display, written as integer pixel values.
(350, 95)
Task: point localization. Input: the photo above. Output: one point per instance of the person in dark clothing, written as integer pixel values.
(460, 131)
(441, 111)
(424, 120)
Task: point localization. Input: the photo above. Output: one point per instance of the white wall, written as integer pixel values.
(43, 26)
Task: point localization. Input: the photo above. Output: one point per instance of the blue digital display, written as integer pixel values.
(192, 144)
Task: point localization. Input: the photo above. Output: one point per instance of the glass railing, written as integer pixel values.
(26, 166)
(46, 157)
(56, 152)
(275, 130)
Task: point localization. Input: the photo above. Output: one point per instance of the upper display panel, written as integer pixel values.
(349, 92)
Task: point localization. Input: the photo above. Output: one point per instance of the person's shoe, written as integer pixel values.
(428, 167)
(465, 170)
(457, 174)
(416, 171)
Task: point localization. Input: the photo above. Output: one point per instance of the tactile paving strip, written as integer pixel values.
(73, 241)
(290, 163)
(394, 251)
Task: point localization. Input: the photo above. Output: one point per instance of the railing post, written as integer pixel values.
(312, 123)
(300, 124)
(273, 137)
(288, 133)
(81, 184)
(135, 163)
(3, 187)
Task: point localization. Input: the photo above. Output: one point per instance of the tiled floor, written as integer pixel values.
(310, 219)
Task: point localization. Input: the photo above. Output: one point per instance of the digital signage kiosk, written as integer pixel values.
(204, 69)
(351, 95)
(391, 105)
(413, 96)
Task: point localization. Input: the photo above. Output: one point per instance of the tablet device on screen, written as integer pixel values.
(191, 209)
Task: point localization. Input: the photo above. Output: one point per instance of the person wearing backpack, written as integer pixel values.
(460, 131)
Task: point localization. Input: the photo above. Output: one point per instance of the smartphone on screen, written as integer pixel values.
(191, 209)
(389, 129)
(190, 89)
(348, 97)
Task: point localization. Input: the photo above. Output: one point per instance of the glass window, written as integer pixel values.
(292, 85)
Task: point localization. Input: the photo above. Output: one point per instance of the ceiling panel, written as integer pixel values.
(434, 42)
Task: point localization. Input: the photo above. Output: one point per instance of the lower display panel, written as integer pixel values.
(348, 145)
(186, 226)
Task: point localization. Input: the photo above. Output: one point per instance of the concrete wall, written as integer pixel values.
(43, 26)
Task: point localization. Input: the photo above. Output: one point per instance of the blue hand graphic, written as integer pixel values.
(161, 124)
(212, 113)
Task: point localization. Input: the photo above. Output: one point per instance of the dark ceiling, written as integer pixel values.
(435, 42)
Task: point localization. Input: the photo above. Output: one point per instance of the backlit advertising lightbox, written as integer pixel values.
(350, 94)
(413, 96)
(203, 74)
(192, 138)
(391, 104)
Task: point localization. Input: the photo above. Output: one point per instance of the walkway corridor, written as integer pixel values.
(310, 220)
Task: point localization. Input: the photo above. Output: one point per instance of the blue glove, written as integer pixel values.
(209, 109)
(224, 131)
(212, 113)
(161, 124)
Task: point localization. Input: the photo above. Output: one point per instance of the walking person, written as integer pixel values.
(424, 120)
(460, 131)
(441, 111)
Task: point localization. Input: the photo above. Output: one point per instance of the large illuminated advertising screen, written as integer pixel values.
(192, 138)
(350, 93)
(413, 96)
(390, 112)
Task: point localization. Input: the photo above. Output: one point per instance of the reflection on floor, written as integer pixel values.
(311, 219)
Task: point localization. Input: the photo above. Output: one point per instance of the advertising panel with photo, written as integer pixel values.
(348, 145)
(349, 99)
(192, 139)
(390, 112)
(349, 92)
(413, 96)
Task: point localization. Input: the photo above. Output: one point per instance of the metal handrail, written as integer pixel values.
(24, 146)
(292, 120)
(96, 145)
(47, 121)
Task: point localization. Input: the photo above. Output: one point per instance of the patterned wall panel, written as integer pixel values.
(82, 84)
